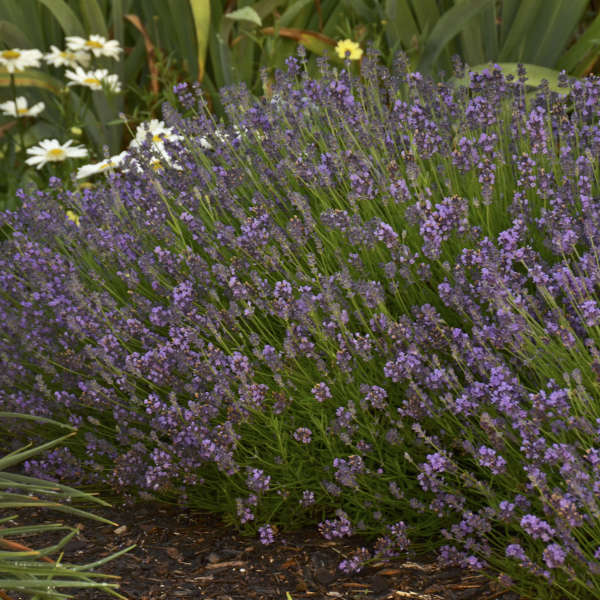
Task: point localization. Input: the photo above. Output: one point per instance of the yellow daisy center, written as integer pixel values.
(93, 44)
(156, 165)
(22, 111)
(92, 81)
(156, 138)
(10, 54)
(56, 152)
(106, 165)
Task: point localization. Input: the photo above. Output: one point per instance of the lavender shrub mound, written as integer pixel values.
(367, 306)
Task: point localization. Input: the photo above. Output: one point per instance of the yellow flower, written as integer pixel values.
(353, 48)
(73, 217)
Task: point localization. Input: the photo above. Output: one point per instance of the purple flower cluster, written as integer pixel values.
(374, 295)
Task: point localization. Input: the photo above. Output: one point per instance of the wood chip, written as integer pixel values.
(229, 563)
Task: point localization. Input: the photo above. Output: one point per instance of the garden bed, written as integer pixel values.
(186, 554)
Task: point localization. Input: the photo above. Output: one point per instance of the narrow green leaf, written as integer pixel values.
(93, 17)
(589, 42)
(247, 13)
(290, 14)
(521, 27)
(471, 40)
(37, 79)
(68, 20)
(401, 26)
(555, 25)
(264, 8)
(13, 459)
(201, 14)
(427, 13)
(36, 418)
(448, 26)
(13, 36)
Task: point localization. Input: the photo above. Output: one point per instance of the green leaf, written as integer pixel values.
(15, 458)
(13, 36)
(586, 44)
(247, 13)
(427, 13)
(401, 26)
(36, 79)
(535, 75)
(201, 14)
(551, 31)
(68, 20)
(287, 18)
(93, 17)
(448, 26)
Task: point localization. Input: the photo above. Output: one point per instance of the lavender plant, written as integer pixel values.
(368, 304)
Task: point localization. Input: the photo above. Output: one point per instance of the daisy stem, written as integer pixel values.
(20, 123)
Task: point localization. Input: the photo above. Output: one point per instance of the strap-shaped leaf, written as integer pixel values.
(587, 44)
(449, 25)
(13, 36)
(68, 20)
(93, 17)
(201, 13)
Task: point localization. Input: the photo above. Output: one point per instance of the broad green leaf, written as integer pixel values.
(93, 17)
(68, 20)
(247, 13)
(589, 42)
(37, 79)
(447, 27)
(535, 74)
(201, 13)
(13, 36)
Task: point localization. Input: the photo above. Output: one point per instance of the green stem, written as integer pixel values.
(20, 123)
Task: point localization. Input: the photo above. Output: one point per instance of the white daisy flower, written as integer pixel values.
(20, 108)
(95, 80)
(18, 60)
(96, 44)
(52, 151)
(103, 165)
(157, 129)
(66, 58)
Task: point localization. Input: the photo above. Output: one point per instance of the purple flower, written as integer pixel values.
(537, 528)
(303, 435)
(267, 534)
(554, 556)
(321, 392)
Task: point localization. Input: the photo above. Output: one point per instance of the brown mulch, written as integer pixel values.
(182, 554)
